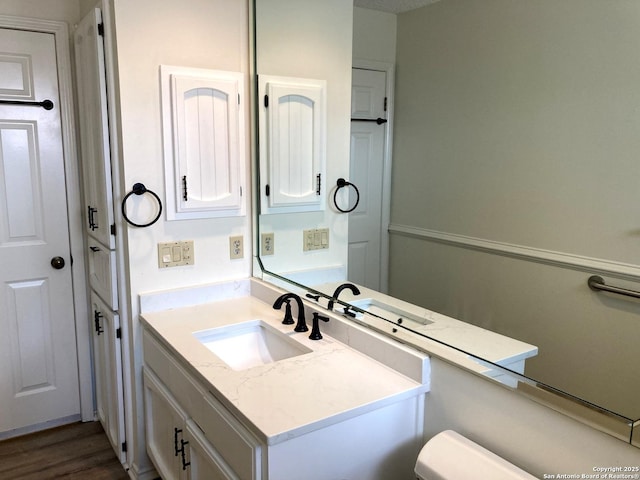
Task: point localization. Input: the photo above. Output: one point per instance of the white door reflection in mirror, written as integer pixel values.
(368, 102)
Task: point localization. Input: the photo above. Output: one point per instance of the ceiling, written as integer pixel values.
(392, 6)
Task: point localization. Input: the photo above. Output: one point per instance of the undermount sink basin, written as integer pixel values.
(249, 344)
(385, 310)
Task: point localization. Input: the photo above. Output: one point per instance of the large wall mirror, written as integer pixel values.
(507, 171)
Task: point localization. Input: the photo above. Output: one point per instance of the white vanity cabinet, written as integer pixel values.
(194, 433)
(176, 445)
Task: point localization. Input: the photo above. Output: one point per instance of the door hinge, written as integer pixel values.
(267, 190)
(318, 183)
(113, 229)
(238, 99)
(124, 446)
(385, 104)
(266, 101)
(101, 29)
(241, 190)
(118, 333)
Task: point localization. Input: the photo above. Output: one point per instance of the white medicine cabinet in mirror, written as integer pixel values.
(513, 141)
(292, 126)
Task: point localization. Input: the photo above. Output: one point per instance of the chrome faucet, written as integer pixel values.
(355, 290)
(301, 326)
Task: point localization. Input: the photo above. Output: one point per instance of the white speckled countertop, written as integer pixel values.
(483, 343)
(289, 397)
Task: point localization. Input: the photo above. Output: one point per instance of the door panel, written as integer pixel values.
(94, 127)
(366, 172)
(38, 356)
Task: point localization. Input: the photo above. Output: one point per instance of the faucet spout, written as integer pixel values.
(301, 326)
(355, 290)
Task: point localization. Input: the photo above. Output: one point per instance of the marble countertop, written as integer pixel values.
(442, 333)
(289, 397)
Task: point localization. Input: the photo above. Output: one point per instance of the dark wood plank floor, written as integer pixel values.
(76, 451)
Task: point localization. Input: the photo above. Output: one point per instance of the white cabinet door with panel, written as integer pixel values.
(292, 144)
(204, 142)
(175, 443)
(108, 373)
(94, 130)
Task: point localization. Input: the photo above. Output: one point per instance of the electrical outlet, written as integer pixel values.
(267, 244)
(236, 247)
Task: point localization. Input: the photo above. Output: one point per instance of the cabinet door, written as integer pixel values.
(292, 141)
(108, 373)
(205, 462)
(164, 424)
(102, 273)
(94, 133)
(204, 142)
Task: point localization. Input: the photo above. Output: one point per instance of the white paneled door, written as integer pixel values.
(38, 357)
(366, 172)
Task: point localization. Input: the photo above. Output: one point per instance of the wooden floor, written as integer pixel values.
(76, 451)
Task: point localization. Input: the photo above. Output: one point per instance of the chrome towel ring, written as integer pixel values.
(343, 183)
(140, 189)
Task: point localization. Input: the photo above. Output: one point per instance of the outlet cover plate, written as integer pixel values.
(236, 247)
(267, 244)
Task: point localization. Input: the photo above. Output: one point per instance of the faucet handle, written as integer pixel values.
(315, 330)
(288, 317)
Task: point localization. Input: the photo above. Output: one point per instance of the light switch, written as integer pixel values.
(173, 254)
(316, 239)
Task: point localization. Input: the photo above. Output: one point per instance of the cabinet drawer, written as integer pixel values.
(102, 273)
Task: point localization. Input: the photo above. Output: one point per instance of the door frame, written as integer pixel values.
(74, 205)
(389, 69)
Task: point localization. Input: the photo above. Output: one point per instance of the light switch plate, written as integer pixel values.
(236, 247)
(315, 239)
(174, 254)
(267, 244)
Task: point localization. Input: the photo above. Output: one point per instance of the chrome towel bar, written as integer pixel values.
(597, 283)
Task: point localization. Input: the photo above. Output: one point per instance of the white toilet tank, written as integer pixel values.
(450, 456)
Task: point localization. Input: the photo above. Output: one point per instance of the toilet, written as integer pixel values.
(450, 456)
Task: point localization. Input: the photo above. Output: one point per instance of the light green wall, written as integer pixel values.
(374, 35)
(518, 122)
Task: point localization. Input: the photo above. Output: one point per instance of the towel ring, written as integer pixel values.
(343, 183)
(139, 189)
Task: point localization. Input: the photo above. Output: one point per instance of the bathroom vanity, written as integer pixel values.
(326, 411)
